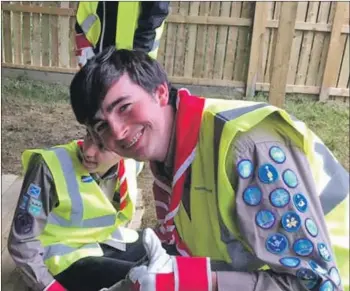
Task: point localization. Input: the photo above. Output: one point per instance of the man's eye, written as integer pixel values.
(101, 127)
(124, 107)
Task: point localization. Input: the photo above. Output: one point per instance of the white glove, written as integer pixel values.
(84, 50)
(168, 273)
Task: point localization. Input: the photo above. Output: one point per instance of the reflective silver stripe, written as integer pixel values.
(87, 23)
(184, 166)
(61, 249)
(100, 221)
(156, 44)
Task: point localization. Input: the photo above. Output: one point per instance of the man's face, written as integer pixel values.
(134, 123)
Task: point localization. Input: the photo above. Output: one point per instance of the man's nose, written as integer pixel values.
(119, 129)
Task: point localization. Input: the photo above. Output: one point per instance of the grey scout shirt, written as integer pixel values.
(24, 247)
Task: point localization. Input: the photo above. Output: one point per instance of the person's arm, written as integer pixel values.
(37, 198)
(149, 29)
(279, 214)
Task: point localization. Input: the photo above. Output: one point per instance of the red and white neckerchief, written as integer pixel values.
(168, 197)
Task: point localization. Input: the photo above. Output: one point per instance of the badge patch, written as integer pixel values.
(324, 252)
(311, 227)
(291, 221)
(307, 277)
(277, 155)
(290, 179)
(86, 179)
(267, 173)
(23, 203)
(279, 197)
(303, 247)
(245, 169)
(327, 286)
(300, 202)
(34, 190)
(23, 223)
(265, 219)
(252, 195)
(334, 274)
(34, 207)
(317, 268)
(276, 243)
(290, 262)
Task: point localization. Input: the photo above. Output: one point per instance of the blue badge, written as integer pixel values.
(265, 219)
(308, 278)
(34, 190)
(252, 195)
(86, 179)
(23, 203)
(300, 202)
(324, 252)
(334, 274)
(317, 268)
(276, 243)
(245, 169)
(279, 197)
(267, 173)
(290, 179)
(327, 286)
(311, 227)
(23, 223)
(303, 247)
(34, 207)
(290, 262)
(277, 155)
(291, 221)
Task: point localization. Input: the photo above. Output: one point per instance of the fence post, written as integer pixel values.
(256, 49)
(330, 71)
(280, 61)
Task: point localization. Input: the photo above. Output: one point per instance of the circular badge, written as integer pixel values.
(23, 223)
(265, 219)
(300, 202)
(267, 173)
(303, 247)
(291, 221)
(335, 276)
(277, 155)
(317, 268)
(308, 277)
(252, 195)
(324, 252)
(290, 262)
(276, 243)
(245, 169)
(279, 197)
(290, 179)
(327, 286)
(311, 227)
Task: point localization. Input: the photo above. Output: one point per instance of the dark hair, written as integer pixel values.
(91, 84)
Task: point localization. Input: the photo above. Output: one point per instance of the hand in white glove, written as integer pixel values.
(168, 273)
(84, 50)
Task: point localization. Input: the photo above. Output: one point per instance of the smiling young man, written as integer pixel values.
(248, 197)
(68, 231)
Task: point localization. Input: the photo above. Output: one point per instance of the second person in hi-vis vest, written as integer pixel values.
(123, 24)
(69, 230)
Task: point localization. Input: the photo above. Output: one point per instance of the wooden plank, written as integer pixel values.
(63, 41)
(296, 46)
(162, 46)
(266, 47)
(40, 68)
(7, 40)
(17, 37)
(171, 42)
(318, 42)
(256, 49)
(54, 38)
(206, 82)
(333, 56)
(191, 40)
(231, 42)
(36, 37)
(180, 42)
(221, 42)
(26, 36)
(344, 72)
(211, 42)
(283, 49)
(200, 54)
(210, 20)
(73, 58)
(38, 9)
(45, 36)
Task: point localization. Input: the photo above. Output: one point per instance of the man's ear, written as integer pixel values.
(162, 94)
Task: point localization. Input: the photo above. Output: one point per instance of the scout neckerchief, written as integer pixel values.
(168, 198)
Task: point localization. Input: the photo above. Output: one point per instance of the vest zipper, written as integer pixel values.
(103, 25)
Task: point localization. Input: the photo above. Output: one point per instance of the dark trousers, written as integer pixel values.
(95, 273)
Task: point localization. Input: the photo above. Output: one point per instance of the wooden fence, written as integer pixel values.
(246, 45)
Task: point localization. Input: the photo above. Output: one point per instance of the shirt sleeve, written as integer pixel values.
(37, 198)
(280, 217)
